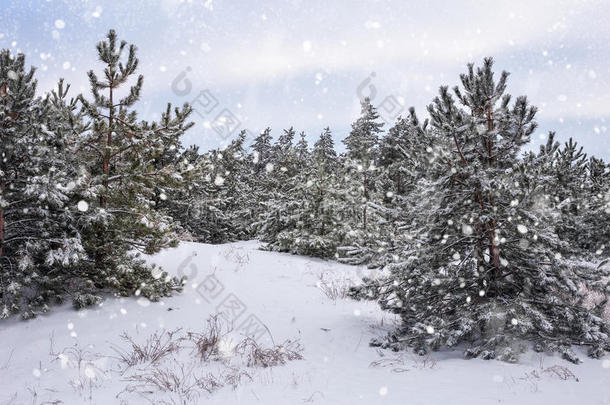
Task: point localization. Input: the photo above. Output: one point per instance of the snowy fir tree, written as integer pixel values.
(405, 160)
(213, 206)
(362, 153)
(38, 238)
(359, 182)
(128, 165)
(487, 274)
(317, 230)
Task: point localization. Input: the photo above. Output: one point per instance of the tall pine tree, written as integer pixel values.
(487, 274)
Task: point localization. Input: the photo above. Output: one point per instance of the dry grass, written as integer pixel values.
(333, 288)
(206, 343)
(156, 347)
(401, 363)
(556, 371)
(89, 367)
(237, 255)
(278, 355)
(180, 383)
(179, 368)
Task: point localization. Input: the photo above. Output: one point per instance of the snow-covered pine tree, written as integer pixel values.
(324, 154)
(217, 195)
(317, 231)
(17, 101)
(359, 183)
(405, 155)
(278, 201)
(238, 171)
(486, 275)
(179, 202)
(124, 159)
(302, 149)
(570, 193)
(262, 151)
(39, 242)
(567, 189)
(596, 215)
(21, 125)
(362, 153)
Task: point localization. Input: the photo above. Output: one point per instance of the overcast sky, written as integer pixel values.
(306, 63)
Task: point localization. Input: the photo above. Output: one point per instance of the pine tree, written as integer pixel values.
(17, 89)
(262, 151)
(359, 178)
(237, 182)
(595, 233)
(277, 197)
(125, 161)
(39, 241)
(316, 231)
(302, 149)
(405, 159)
(324, 154)
(216, 209)
(362, 152)
(570, 195)
(487, 274)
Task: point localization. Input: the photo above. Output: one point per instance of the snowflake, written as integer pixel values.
(83, 206)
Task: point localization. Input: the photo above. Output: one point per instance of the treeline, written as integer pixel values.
(479, 244)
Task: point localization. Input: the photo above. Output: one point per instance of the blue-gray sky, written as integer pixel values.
(304, 63)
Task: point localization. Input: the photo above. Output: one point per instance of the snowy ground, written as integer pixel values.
(67, 356)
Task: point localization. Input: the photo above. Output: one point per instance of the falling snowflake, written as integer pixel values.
(521, 228)
(98, 12)
(83, 206)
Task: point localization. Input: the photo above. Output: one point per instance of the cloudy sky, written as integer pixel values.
(306, 63)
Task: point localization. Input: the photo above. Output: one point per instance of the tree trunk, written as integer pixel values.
(365, 202)
(494, 250)
(104, 196)
(3, 92)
